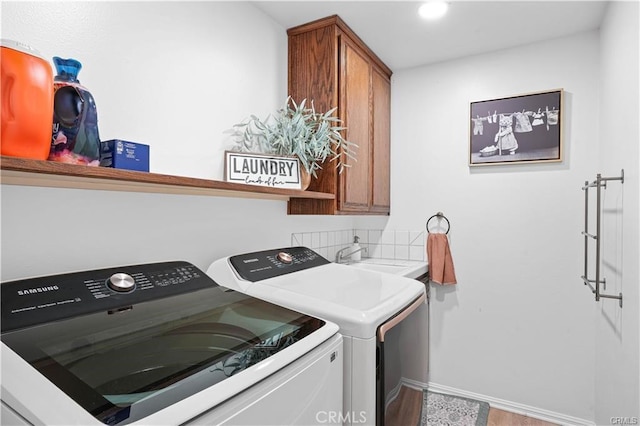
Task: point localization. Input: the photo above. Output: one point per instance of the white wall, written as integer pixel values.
(174, 75)
(171, 75)
(617, 354)
(519, 324)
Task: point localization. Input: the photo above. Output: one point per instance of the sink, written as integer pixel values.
(406, 268)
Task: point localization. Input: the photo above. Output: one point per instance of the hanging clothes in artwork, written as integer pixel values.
(552, 117)
(522, 123)
(478, 126)
(537, 118)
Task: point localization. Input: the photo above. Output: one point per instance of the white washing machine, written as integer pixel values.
(161, 344)
(365, 305)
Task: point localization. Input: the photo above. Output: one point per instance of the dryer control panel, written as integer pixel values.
(267, 264)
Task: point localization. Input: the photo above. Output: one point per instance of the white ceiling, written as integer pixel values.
(402, 39)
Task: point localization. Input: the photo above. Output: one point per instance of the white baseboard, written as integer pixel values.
(501, 404)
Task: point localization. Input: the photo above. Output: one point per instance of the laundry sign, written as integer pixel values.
(262, 170)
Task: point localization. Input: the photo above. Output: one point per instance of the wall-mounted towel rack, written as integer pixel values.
(594, 284)
(439, 215)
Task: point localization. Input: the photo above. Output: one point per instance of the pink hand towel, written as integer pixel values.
(441, 269)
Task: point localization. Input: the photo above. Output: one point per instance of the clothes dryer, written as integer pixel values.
(365, 305)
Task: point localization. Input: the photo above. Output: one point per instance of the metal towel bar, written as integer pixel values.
(599, 183)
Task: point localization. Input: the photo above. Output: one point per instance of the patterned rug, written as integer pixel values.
(447, 410)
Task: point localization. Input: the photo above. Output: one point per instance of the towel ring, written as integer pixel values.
(439, 215)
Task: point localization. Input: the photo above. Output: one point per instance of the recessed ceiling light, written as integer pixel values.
(433, 9)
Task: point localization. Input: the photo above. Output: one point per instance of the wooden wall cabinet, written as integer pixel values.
(329, 64)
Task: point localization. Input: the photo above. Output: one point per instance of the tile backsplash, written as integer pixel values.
(380, 244)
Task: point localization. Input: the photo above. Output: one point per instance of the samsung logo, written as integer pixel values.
(37, 290)
(250, 260)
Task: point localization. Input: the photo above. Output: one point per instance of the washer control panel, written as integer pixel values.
(267, 264)
(38, 300)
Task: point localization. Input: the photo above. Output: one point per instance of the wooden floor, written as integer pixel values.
(405, 411)
(505, 418)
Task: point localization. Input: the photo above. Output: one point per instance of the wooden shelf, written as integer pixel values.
(20, 171)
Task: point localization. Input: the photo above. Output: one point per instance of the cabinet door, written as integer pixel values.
(355, 84)
(381, 194)
(313, 75)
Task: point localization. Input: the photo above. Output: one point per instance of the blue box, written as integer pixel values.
(126, 155)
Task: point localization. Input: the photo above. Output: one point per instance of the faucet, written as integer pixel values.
(340, 257)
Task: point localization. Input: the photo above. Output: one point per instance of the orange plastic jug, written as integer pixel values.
(26, 94)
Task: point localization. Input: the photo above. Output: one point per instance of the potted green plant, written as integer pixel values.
(297, 130)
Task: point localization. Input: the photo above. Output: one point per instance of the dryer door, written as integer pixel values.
(384, 372)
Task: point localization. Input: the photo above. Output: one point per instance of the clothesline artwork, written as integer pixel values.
(524, 121)
(524, 128)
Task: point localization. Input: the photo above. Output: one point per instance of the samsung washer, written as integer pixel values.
(161, 344)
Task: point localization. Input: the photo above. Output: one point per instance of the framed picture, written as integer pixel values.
(518, 129)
